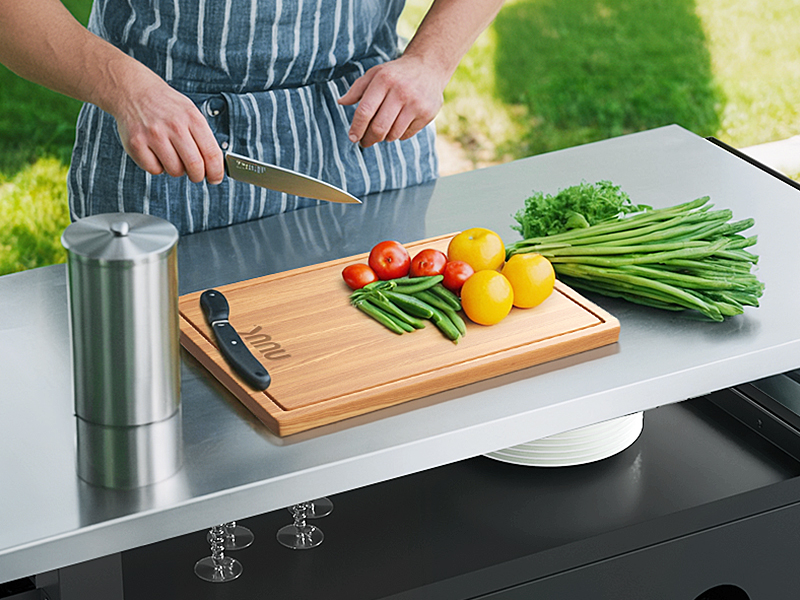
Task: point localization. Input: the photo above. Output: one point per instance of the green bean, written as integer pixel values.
(742, 242)
(402, 324)
(430, 298)
(684, 280)
(380, 316)
(650, 249)
(626, 281)
(413, 287)
(626, 223)
(410, 304)
(457, 320)
(368, 290)
(414, 280)
(372, 286)
(690, 251)
(647, 299)
(742, 255)
(447, 296)
(445, 325)
(382, 302)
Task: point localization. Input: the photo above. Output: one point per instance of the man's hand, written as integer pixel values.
(398, 98)
(160, 128)
(395, 100)
(163, 131)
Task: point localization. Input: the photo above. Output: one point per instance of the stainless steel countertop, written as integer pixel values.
(235, 468)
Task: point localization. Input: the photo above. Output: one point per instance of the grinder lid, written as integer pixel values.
(120, 237)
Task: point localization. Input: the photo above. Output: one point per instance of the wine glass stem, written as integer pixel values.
(301, 514)
(218, 547)
(230, 536)
(301, 523)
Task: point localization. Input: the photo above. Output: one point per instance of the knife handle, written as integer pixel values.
(214, 306)
(240, 358)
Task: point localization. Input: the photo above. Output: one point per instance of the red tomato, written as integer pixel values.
(389, 260)
(357, 276)
(428, 262)
(456, 272)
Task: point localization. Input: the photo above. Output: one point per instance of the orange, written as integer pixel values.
(478, 247)
(531, 276)
(487, 297)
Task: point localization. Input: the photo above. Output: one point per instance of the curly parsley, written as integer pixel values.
(575, 207)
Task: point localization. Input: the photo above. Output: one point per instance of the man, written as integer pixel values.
(171, 84)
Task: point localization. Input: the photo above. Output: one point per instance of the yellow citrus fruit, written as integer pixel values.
(487, 297)
(478, 247)
(532, 277)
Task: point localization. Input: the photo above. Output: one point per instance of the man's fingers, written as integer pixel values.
(401, 124)
(414, 128)
(214, 166)
(368, 106)
(200, 151)
(167, 155)
(383, 122)
(356, 90)
(213, 160)
(146, 159)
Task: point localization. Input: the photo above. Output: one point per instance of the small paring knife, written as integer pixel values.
(236, 353)
(279, 179)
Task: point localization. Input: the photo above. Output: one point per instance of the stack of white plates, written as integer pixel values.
(576, 447)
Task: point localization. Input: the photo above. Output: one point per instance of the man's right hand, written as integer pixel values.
(160, 128)
(164, 132)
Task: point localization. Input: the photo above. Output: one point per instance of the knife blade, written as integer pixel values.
(238, 356)
(279, 179)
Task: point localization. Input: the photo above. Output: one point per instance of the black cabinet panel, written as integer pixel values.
(672, 507)
(757, 555)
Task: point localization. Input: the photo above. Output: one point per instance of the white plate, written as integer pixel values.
(579, 447)
(600, 439)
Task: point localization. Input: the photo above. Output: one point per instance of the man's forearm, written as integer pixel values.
(41, 41)
(449, 29)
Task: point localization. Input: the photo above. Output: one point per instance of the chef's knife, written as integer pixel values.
(277, 178)
(238, 356)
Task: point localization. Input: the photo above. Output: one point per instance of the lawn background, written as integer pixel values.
(546, 75)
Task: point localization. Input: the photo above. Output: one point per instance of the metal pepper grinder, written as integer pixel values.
(123, 306)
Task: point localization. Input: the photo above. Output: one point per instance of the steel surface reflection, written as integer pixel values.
(301, 237)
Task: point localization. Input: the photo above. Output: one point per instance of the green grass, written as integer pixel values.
(34, 121)
(550, 74)
(33, 214)
(567, 73)
(754, 48)
(546, 75)
(37, 130)
(589, 70)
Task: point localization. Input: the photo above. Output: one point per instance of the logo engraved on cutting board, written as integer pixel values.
(270, 349)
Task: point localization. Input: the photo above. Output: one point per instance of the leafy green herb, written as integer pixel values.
(576, 207)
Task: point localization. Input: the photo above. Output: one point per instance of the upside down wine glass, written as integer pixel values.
(321, 507)
(300, 535)
(237, 537)
(218, 568)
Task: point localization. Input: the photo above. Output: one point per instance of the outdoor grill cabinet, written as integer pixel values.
(704, 505)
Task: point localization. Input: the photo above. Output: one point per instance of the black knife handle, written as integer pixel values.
(239, 356)
(214, 306)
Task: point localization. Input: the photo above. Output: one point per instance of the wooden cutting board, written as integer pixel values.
(329, 361)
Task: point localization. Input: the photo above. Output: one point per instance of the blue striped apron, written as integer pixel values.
(267, 75)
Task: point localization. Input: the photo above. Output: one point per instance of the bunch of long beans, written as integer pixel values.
(682, 257)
